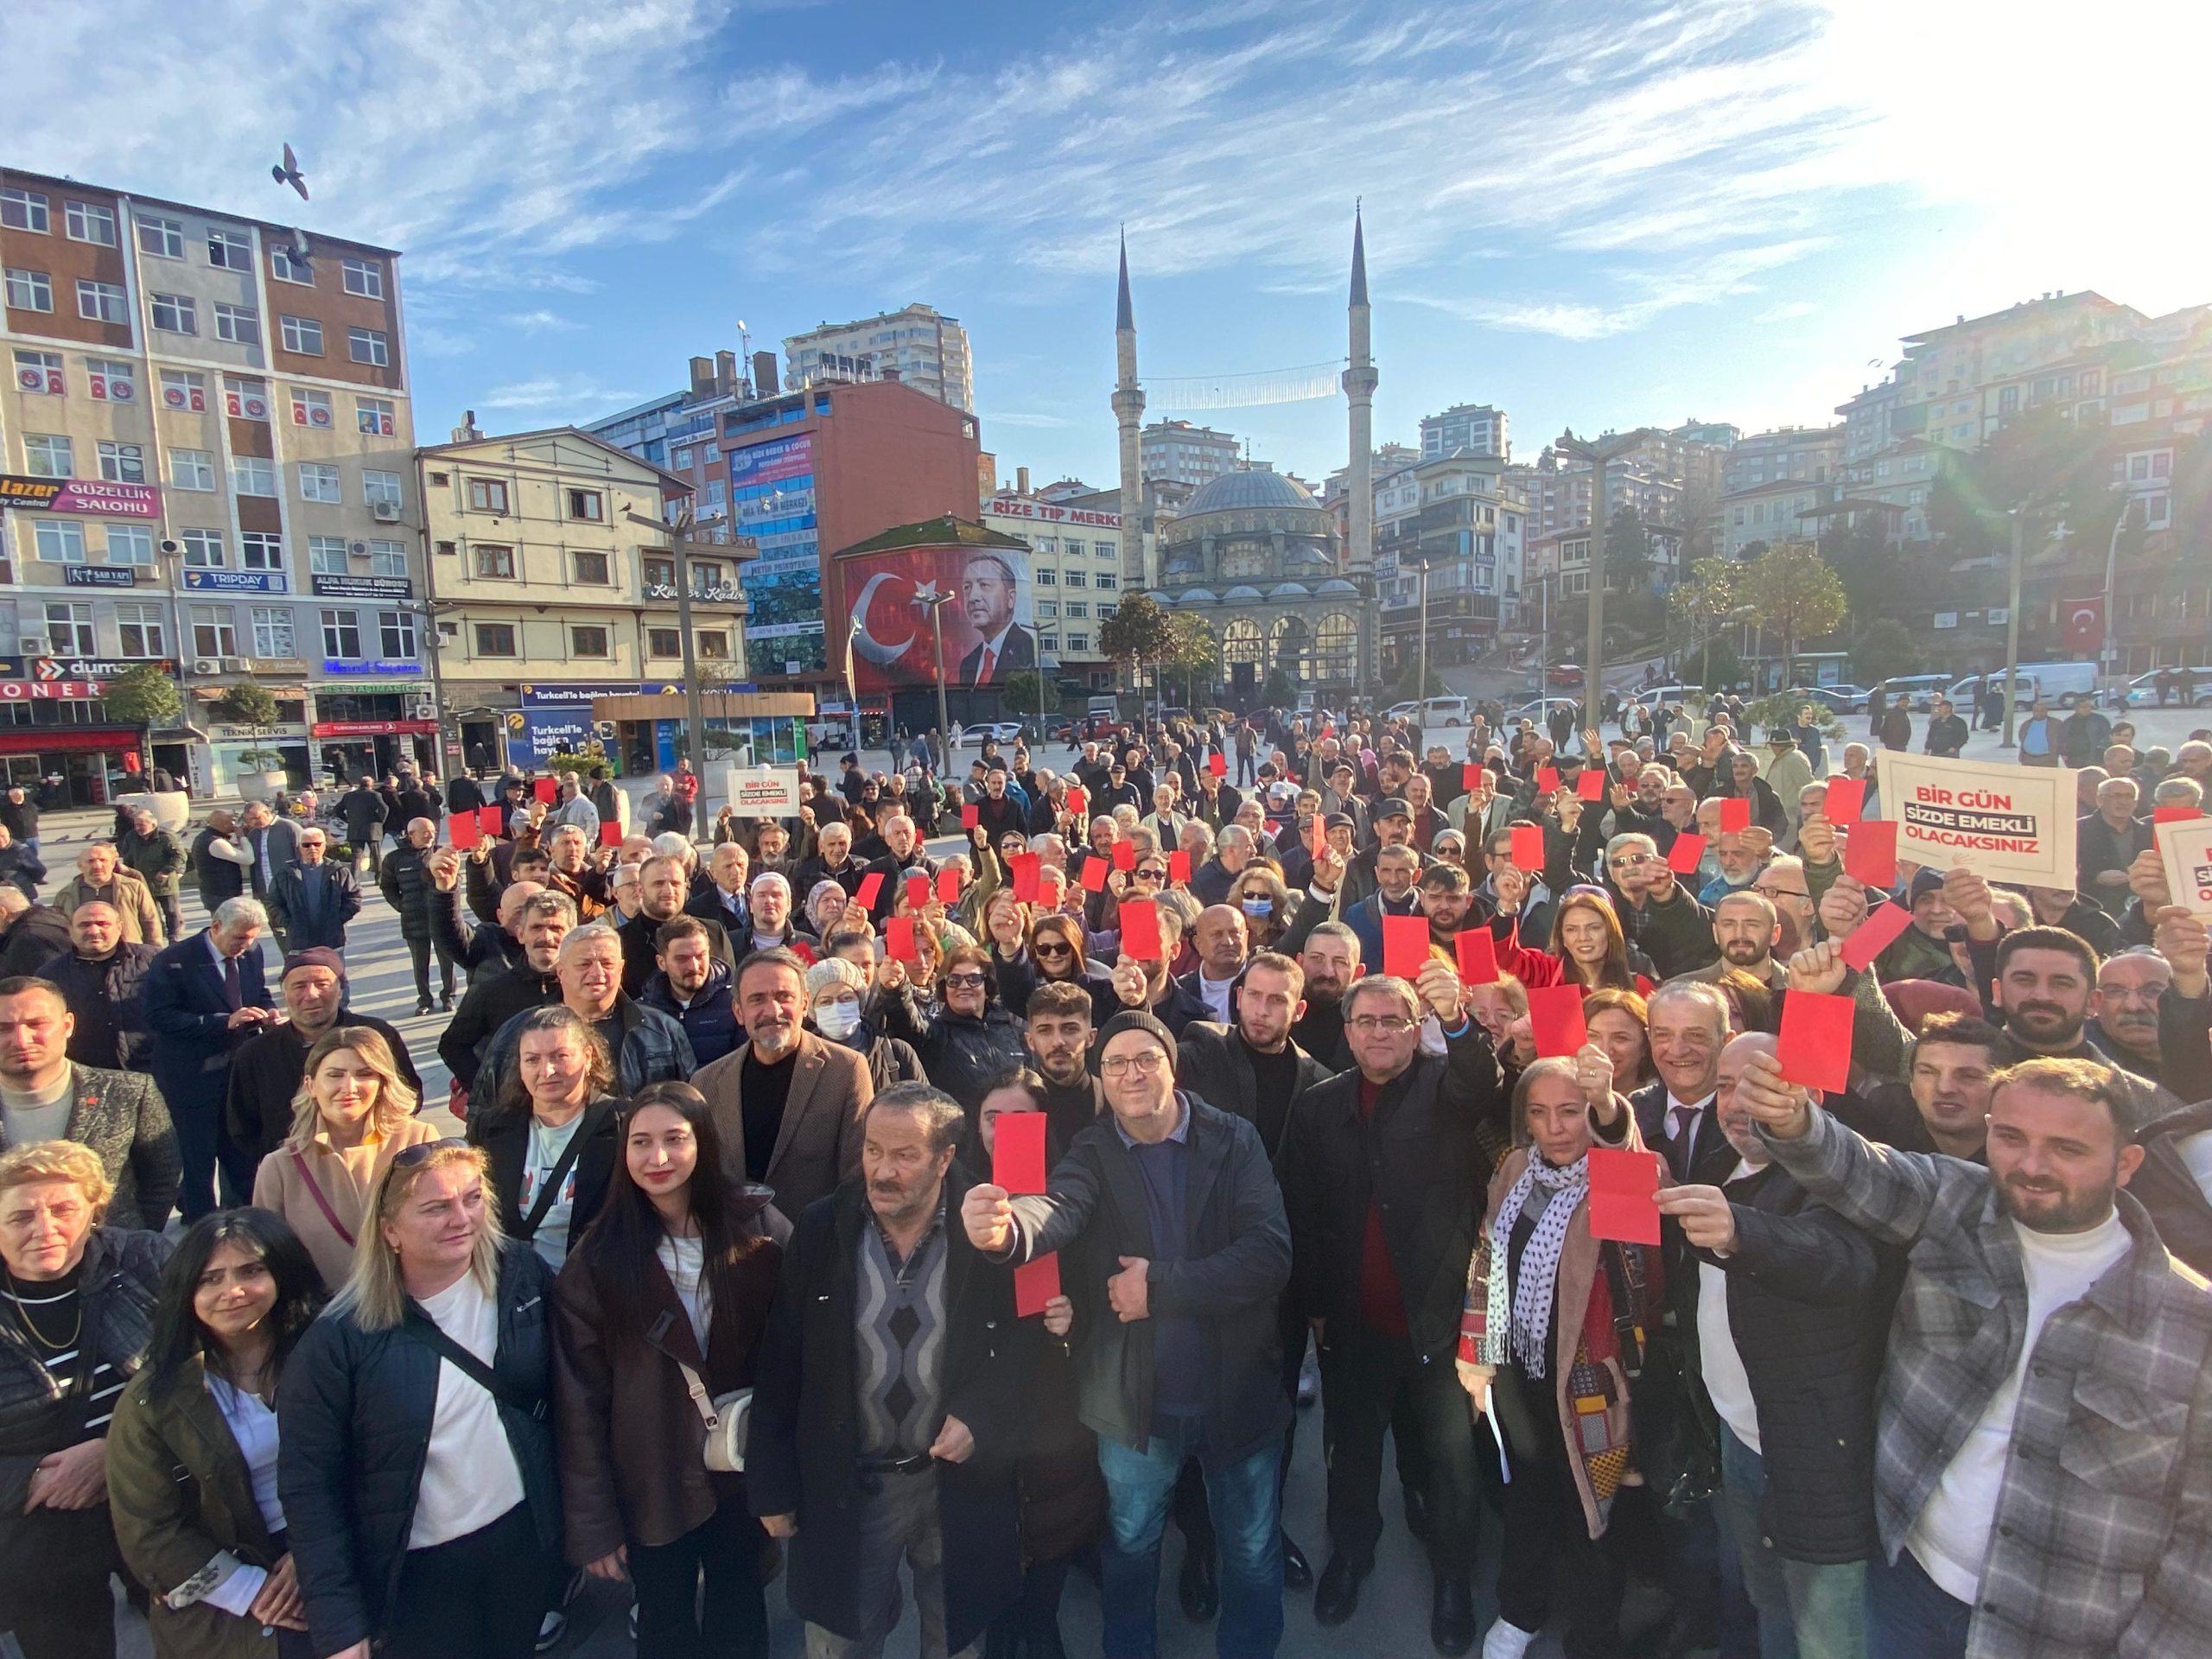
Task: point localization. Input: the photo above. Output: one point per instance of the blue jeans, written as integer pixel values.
(1805, 1610)
(1248, 1520)
(1908, 1616)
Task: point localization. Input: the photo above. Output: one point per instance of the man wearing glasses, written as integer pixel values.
(1172, 1210)
(1657, 912)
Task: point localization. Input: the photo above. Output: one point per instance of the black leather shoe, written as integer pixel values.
(1337, 1597)
(1451, 1618)
(1198, 1586)
(1417, 1520)
(1297, 1571)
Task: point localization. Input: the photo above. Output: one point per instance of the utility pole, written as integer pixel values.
(929, 595)
(678, 531)
(2109, 655)
(2012, 628)
(1421, 684)
(1600, 453)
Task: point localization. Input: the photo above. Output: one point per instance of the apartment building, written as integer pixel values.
(1176, 452)
(207, 439)
(1475, 430)
(1808, 453)
(1075, 569)
(918, 344)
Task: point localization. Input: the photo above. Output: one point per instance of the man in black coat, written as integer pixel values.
(267, 1071)
(204, 998)
(311, 902)
(862, 1450)
(495, 945)
(1785, 1305)
(100, 975)
(1175, 1252)
(543, 920)
(365, 810)
(409, 888)
(29, 933)
(1383, 1173)
(663, 892)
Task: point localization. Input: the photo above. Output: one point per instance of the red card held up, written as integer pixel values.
(546, 791)
(1477, 957)
(948, 886)
(2174, 814)
(1870, 852)
(1623, 1195)
(1846, 803)
(918, 889)
(1556, 1020)
(1028, 870)
(871, 886)
(1548, 778)
(493, 819)
(1078, 802)
(899, 939)
(1529, 848)
(1735, 814)
(1036, 1283)
(1178, 866)
(1125, 855)
(1018, 1151)
(1141, 940)
(970, 816)
(1814, 1048)
(1094, 874)
(1405, 946)
(610, 832)
(465, 831)
(1874, 935)
(1217, 764)
(1591, 786)
(1686, 854)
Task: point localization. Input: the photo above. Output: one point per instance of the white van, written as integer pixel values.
(2057, 684)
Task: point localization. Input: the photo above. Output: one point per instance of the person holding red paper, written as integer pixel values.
(966, 1038)
(1587, 947)
(903, 858)
(1567, 1444)
(1378, 1173)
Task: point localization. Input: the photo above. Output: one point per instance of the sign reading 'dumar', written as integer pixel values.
(2010, 822)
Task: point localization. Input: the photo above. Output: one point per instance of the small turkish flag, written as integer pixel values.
(2085, 623)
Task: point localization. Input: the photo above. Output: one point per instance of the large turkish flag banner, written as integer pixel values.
(2085, 624)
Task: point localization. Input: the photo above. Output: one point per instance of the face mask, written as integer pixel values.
(1259, 909)
(838, 1021)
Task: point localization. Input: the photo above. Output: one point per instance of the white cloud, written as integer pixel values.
(543, 321)
(575, 397)
(1788, 311)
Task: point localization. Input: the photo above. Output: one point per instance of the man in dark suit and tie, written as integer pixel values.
(311, 902)
(988, 589)
(1687, 1024)
(204, 997)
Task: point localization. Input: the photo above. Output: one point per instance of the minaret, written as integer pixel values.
(1360, 381)
(1129, 411)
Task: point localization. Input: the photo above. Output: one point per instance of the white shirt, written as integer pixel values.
(253, 1424)
(546, 1145)
(1685, 1136)
(470, 1477)
(2196, 1153)
(1951, 1537)
(1214, 993)
(685, 1259)
(1725, 1379)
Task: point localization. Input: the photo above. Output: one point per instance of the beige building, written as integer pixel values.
(1076, 573)
(919, 345)
(548, 592)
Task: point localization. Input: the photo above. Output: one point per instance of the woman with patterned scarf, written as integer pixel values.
(1551, 1342)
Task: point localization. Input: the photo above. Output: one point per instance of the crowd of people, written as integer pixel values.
(830, 1208)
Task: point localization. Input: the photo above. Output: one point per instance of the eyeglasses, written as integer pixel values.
(1140, 1065)
(422, 1151)
(1629, 861)
(1149, 873)
(1386, 1025)
(1052, 948)
(964, 982)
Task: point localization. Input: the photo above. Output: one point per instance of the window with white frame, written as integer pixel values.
(1048, 610)
(121, 463)
(286, 266)
(39, 374)
(30, 291)
(69, 629)
(240, 324)
(26, 210)
(59, 541)
(395, 633)
(327, 556)
(311, 408)
(2158, 510)
(214, 631)
(176, 314)
(138, 629)
(229, 249)
(388, 559)
(1078, 642)
(318, 482)
(131, 545)
(203, 549)
(48, 455)
(1076, 607)
(253, 475)
(375, 416)
(1079, 579)
(1108, 580)
(88, 222)
(1047, 577)
(380, 489)
(191, 469)
(261, 549)
(101, 302)
(300, 335)
(341, 633)
(363, 278)
(370, 346)
(272, 630)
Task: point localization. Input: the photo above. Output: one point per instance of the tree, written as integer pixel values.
(1714, 665)
(1868, 564)
(1137, 634)
(146, 696)
(246, 703)
(1707, 600)
(1194, 652)
(1410, 686)
(1628, 553)
(1697, 515)
(1022, 694)
(1791, 591)
(1885, 648)
(1281, 691)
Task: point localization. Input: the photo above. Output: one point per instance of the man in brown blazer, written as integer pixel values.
(788, 1104)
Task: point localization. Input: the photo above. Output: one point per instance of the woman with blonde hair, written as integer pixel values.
(353, 1115)
(418, 1479)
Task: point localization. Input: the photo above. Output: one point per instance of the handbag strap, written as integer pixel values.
(314, 1192)
(695, 1386)
(425, 1330)
(559, 1174)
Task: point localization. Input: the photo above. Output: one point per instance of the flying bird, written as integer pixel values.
(287, 172)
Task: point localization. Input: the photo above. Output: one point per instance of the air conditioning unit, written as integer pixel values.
(385, 512)
(425, 708)
(358, 550)
(236, 665)
(207, 665)
(33, 645)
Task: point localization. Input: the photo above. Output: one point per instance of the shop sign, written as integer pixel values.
(363, 587)
(334, 665)
(56, 670)
(1014, 507)
(91, 496)
(49, 690)
(235, 581)
(580, 693)
(373, 728)
(99, 576)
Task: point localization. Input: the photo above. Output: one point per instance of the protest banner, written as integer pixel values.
(763, 791)
(2006, 823)
(2185, 848)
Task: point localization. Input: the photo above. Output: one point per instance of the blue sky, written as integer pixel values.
(1591, 212)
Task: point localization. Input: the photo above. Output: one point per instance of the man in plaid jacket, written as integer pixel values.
(2044, 1454)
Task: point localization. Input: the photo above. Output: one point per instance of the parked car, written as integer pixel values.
(1006, 731)
(2193, 686)
(1838, 699)
(1564, 674)
(1914, 689)
(1538, 708)
(1652, 696)
(1432, 711)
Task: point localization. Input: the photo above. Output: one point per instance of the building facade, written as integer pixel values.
(1452, 519)
(1475, 430)
(1809, 455)
(1076, 565)
(209, 416)
(918, 344)
(1176, 452)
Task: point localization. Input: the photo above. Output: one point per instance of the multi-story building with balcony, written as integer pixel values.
(919, 345)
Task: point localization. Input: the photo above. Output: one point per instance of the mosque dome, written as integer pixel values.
(1241, 491)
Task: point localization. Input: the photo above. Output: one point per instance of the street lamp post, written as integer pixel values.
(930, 596)
(1421, 682)
(694, 714)
(2013, 629)
(2110, 654)
(1600, 453)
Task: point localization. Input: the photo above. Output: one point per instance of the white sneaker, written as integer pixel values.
(1506, 1640)
(551, 1629)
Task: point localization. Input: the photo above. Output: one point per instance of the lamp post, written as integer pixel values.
(2111, 653)
(929, 595)
(2013, 629)
(678, 530)
(1600, 453)
(1422, 562)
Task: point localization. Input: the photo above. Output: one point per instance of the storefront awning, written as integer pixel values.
(68, 739)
